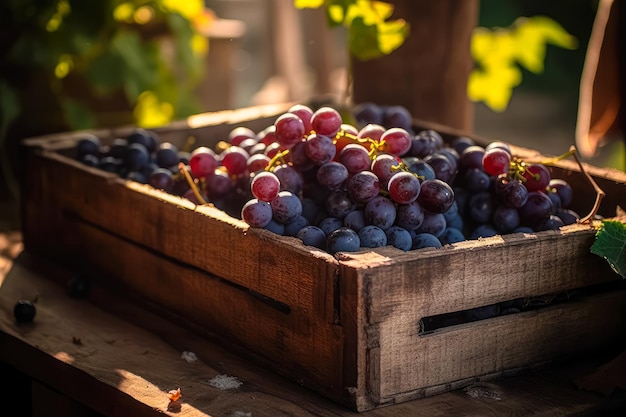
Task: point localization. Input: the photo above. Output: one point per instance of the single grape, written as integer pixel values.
(514, 194)
(537, 209)
(239, 134)
(290, 179)
(382, 167)
(355, 220)
(363, 186)
(399, 238)
(275, 227)
(496, 161)
(143, 137)
(167, 155)
(220, 183)
(451, 235)
(256, 213)
(567, 216)
(332, 175)
(435, 196)
(371, 131)
(286, 207)
(537, 177)
(372, 237)
(409, 216)
(339, 204)
(368, 112)
(289, 130)
(472, 157)
(299, 159)
(396, 141)
(257, 162)
(434, 224)
(563, 189)
(312, 236)
(265, 186)
(202, 162)
(425, 240)
(355, 158)
(505, 219)
(326, 121)
(397, 116)
(380, 211)
(304, 113)
(423, 144)
(328, 224)
(404, 187)
(343, 239)
(483, 230)
(480, 207)
(292, 228)
(551, 223)
(136, 157)
(476, 180)
(88, 145)
(319, 148)
(162, 179)
(460, 143)
(24, 311)
(444, 168)
(422, 168)
(235, 160)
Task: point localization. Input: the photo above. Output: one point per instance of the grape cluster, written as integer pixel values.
(341, 185)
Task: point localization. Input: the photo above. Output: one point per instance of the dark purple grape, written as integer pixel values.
(355, 220)
(435, 196)
(328, 224)
(514, 194)
(380, 211)
(332, 175)
(24, 311)
(290, 179)
(257, 213)
(88, 145)
(368, 112)
(422, 168)
(563, 189)
(275, 227)
(480, 207)
(409, 216)
(397, 116)
(567, 216)
(476, 180)
(355, 158)
(434, 224)
(404, 187)
(472, 157)
(363, 186)
(423, 144)
(339, 204)
(167, 155)
(460, 143)
(110, 164)
(286, 207)
(382, 167)
(445, 170)
(551, 223)
(451, 235)
(425, 240)
(136, 157)
(537, 209)
(162, 179)
(343, 239)
(118, 148)
(137, 176)
(292, 228)
(372, 237)
(90, 160)
(483, 230)
(399, 238)
(505, 219)
(312, 236)
(319, 148)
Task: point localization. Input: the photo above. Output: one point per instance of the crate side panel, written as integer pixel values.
(294, 342)
(406, 361)
(205, 238)
(477, 273)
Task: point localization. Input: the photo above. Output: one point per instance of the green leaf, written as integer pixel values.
(610, 244)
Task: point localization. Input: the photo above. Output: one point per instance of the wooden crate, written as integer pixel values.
(349, 326)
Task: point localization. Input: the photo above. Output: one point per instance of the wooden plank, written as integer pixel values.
(128, 358)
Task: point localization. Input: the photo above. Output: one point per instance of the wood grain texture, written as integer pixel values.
(128, 358)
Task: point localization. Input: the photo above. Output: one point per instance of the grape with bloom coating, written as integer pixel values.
(403, 187)
(289, 130)
(326, 121)
(265, 186)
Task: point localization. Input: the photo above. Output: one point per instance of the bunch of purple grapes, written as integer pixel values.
(499, 193)
(340, 186)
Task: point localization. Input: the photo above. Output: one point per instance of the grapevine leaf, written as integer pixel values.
(372, 41)
(308, 4)
(610, 244)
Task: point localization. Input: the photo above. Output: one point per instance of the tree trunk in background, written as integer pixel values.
(428, 74)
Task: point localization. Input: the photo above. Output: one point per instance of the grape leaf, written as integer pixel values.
(610, 244)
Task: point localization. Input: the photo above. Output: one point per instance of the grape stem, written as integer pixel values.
(599, 192)
(191, 183)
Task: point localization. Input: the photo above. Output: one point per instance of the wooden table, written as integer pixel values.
(106, 356)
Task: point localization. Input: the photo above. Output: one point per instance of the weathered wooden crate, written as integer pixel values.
(354, 327)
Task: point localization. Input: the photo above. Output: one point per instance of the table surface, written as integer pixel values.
(118, 358)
